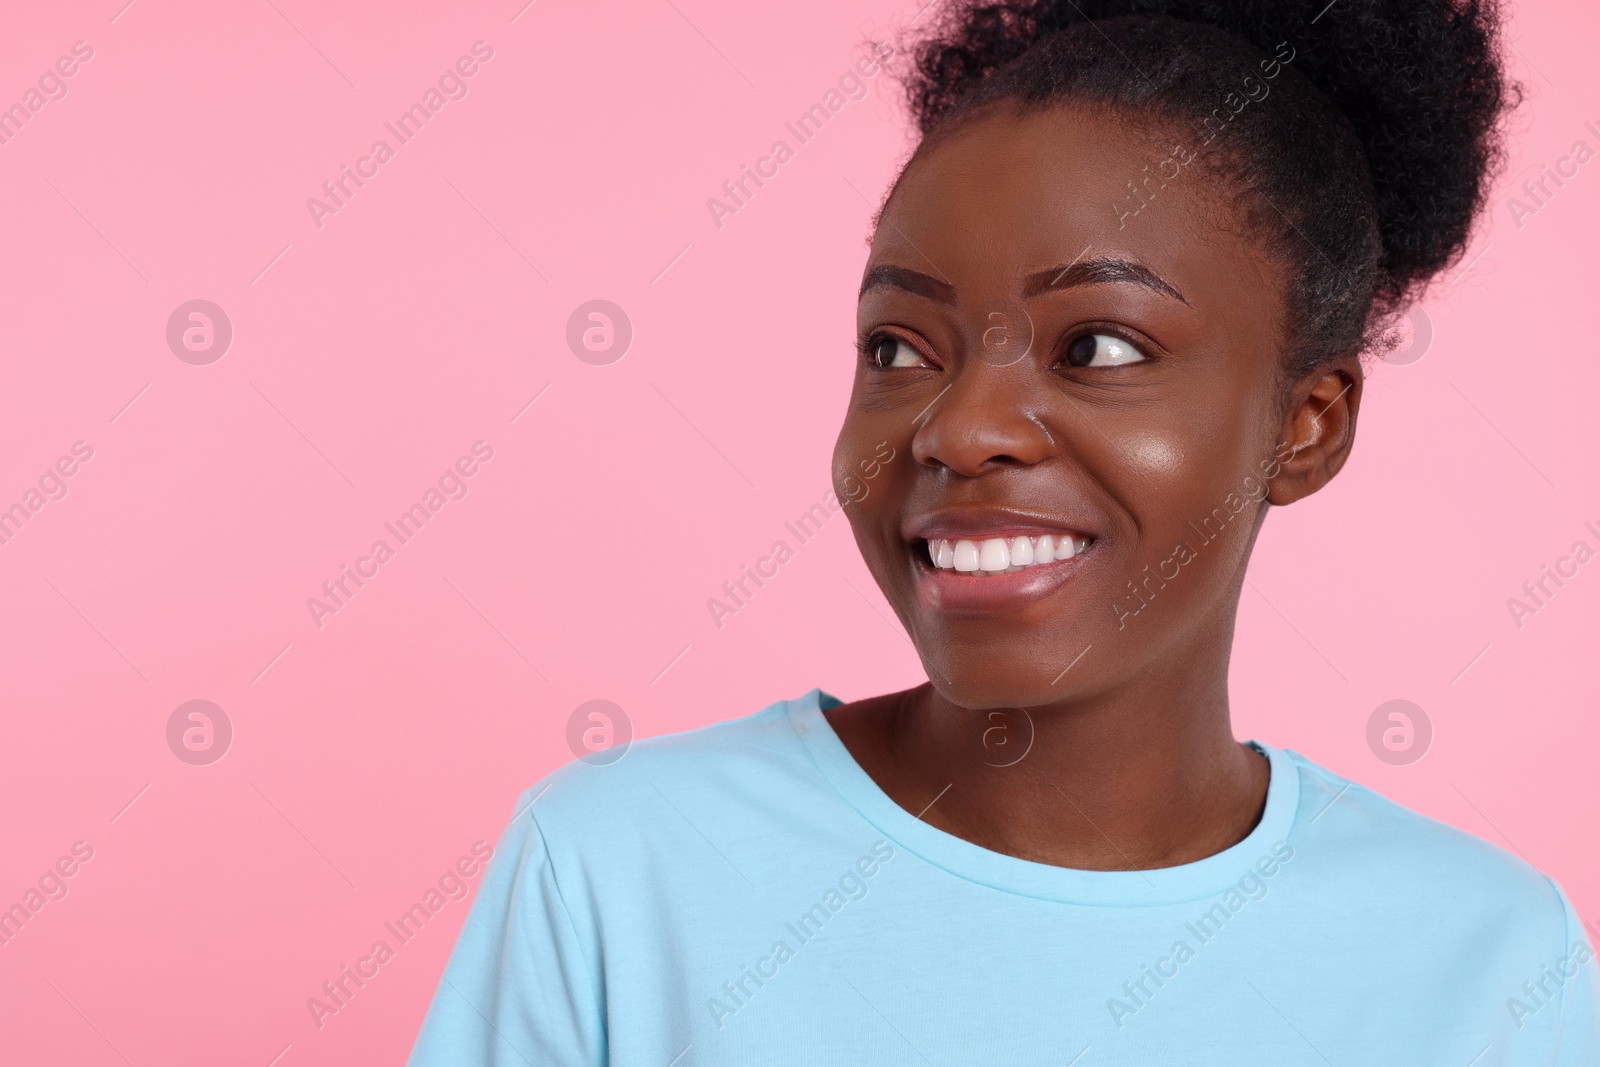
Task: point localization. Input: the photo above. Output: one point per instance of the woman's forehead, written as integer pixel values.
(1009, 194)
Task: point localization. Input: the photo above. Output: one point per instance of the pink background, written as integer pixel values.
(370, 353)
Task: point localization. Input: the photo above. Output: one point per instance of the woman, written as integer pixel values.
(1115, 307)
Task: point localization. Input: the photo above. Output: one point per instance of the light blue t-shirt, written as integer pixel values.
(746, 894)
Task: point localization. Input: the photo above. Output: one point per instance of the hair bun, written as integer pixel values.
(1421, 82)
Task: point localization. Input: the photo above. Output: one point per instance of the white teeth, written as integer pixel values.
(1000, 555)
(965, 557)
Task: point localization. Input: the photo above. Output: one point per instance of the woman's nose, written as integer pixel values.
(983, 419)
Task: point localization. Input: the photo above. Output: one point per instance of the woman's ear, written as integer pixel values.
(1319, 427)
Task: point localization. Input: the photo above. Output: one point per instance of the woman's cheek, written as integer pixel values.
(843, 448)
(1155, 455)
(860, 473)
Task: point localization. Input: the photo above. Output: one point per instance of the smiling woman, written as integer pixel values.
(1092, 412)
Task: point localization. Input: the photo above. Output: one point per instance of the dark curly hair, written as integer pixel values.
(1363, 170)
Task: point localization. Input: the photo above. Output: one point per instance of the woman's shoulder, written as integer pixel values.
(1365, 841)
(706, 771)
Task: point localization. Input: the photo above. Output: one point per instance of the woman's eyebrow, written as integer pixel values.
(1097, 272)
(1086, 272)
(912, 281)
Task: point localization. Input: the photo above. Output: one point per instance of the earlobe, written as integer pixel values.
(1318, 432)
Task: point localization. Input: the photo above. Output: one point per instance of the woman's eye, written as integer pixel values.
(1101, 350)
(892, 352)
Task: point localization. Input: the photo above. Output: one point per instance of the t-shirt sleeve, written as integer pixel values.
(1578, 1032)
(517, 990)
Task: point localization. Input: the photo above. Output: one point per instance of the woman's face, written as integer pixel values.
(1048, 355)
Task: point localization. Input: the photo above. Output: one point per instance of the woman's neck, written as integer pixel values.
(1133, 780)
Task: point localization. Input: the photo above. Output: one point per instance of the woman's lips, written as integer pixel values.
(972, 580)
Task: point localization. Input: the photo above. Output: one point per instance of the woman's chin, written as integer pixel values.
(995, 685)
